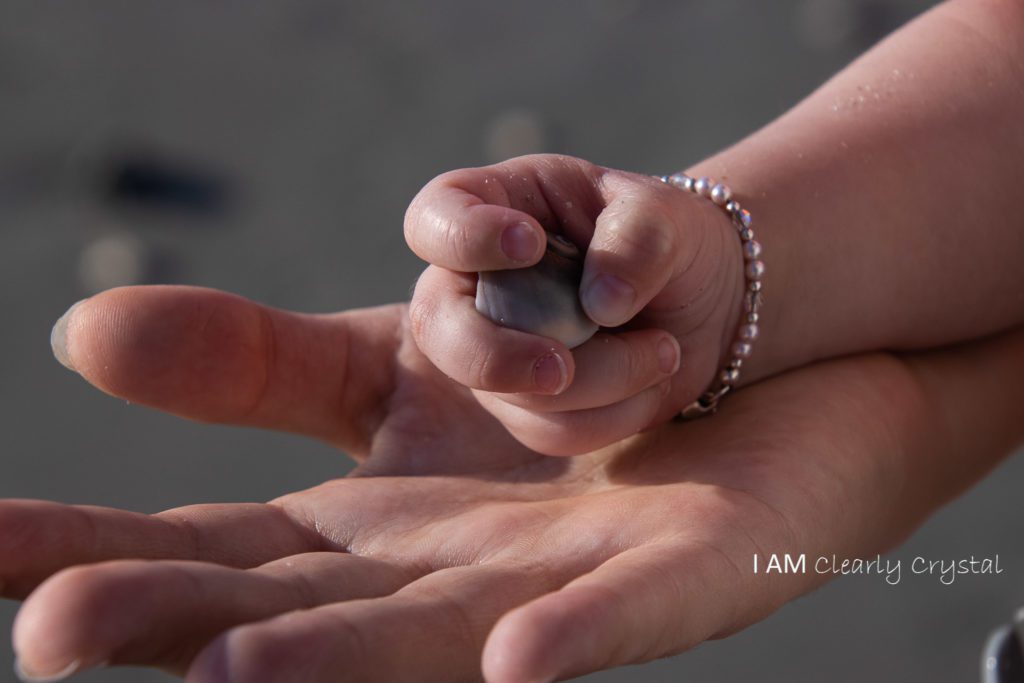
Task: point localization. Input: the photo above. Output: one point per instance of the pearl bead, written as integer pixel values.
(678, 180)
(742, 349)
(754, 269)
(720, 194)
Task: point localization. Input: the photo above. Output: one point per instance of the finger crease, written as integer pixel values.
(269, 357)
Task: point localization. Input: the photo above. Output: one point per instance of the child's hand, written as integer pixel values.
(662, 276)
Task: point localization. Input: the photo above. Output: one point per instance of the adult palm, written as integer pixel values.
(452, 552)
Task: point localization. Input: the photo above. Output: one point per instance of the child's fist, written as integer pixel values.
(661, 275)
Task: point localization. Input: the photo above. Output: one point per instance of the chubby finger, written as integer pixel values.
(449, 227)
(162, 613)
(610, 368)
(646, 236)
(494, 217)
(578, 431)
(39, 538)
(431, 630)
(216, 357)
(473, 350)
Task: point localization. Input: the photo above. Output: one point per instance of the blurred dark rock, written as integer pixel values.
(162, 184)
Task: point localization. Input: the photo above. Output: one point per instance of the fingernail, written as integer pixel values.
(550, 374)
(520, 242)
(608, 300)
(25, 674)
(59, 337)
(668, 355)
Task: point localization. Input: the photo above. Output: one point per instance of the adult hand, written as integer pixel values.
(453, 552)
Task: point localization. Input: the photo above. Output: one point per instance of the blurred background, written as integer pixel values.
(270, 149)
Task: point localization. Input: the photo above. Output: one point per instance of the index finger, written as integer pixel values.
(495, 217)
(458, 230)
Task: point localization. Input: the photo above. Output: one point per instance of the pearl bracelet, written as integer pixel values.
(753, 271)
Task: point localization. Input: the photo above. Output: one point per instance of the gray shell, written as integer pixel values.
(542, 299)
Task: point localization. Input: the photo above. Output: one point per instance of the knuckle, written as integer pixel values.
(422, 312)
(454, 241)
(484, 368)
(637, 362)
(418, 214)
(645, 236)
(640, 243)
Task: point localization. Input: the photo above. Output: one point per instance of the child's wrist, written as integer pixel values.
(797, 321)
(742, 292)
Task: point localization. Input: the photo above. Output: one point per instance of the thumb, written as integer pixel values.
(648, 236)
(217, 357)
